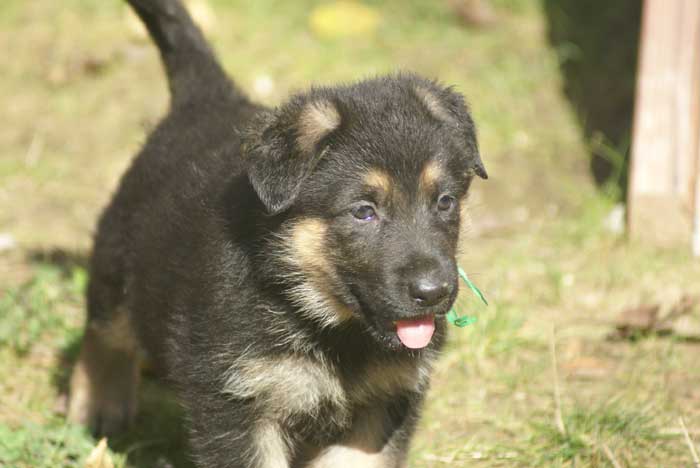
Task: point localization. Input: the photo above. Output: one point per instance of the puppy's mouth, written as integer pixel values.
(416, 333)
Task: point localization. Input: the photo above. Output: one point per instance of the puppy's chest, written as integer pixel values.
(296, 388)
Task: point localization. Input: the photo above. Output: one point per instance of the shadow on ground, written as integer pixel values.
(597, 43)
(65, 260)
(158, 437)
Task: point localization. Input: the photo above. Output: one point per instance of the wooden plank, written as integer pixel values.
(696, 208)
(664, 167)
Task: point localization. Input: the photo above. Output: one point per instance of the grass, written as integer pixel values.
(49, 445)
(32, 312)
(79, 91)
(587, 429)
(493, 400)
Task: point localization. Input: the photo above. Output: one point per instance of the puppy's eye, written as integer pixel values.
(446, 203)
(364, 212)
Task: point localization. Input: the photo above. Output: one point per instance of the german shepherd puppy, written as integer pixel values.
(288, 269)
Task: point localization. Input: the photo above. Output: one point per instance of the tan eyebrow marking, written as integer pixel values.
(431, 173)
(379, 179)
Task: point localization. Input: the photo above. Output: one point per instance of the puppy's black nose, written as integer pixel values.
(428, 291)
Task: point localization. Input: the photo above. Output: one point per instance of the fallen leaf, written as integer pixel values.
(474, 12)
(637, 319)
(99, 457)
(587, 367)
(344, 19)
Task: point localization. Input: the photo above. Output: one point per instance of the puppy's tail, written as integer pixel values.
(191, 66)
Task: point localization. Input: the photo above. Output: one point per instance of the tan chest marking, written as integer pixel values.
(271, 447)
(285, 386)
(293, 385)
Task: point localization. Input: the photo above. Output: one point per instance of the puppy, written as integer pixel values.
(288, 270)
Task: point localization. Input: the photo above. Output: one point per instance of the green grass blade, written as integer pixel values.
(471, 285)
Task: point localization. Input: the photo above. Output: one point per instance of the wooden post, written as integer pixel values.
(665, 166)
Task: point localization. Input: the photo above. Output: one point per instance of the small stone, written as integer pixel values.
(263, 86)
(7, 241)
(614, 222)
(568, 280)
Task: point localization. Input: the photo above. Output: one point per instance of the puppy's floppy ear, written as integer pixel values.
(448, 106)
(282, 148)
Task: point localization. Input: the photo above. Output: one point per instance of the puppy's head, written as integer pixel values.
(369, 180)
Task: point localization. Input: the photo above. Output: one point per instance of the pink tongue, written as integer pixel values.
(417, 333)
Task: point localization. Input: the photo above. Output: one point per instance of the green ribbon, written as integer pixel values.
(463, 321)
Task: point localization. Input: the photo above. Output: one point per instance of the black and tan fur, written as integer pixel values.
(260, 257)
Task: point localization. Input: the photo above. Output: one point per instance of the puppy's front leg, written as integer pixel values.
(229, 433)
(379, 438)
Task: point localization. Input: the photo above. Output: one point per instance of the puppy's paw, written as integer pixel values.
(100, 401)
